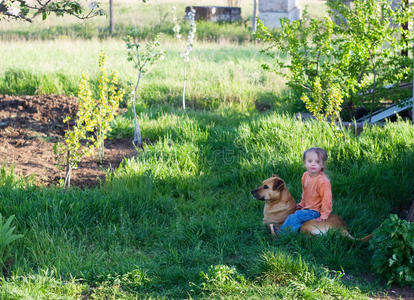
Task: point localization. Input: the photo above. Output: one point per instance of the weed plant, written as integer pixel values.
(178, 221)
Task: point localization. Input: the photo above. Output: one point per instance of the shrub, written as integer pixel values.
(78, 141)
(104, 110)
(393, 245)
(93, 116)
(354, 57)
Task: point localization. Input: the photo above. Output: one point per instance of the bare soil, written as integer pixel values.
(31, 125)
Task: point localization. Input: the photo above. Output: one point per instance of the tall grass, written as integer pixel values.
(178, 220)
(48, 67)
(150, 18)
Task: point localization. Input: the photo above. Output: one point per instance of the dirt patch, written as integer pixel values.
(31, 125)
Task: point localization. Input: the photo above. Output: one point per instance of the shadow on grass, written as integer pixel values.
(178, 209)
(284, 102)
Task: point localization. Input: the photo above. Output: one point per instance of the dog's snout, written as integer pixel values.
(256, 195)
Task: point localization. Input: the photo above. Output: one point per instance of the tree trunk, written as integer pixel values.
(373, 95)
(68, 174)
(137, 131)
(101, 148)
(185, 79)
(254, 15)
(405, 30)
(111, 16)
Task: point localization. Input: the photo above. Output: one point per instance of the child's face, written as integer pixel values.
(313, 163)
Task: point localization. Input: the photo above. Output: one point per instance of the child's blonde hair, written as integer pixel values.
(321, 153)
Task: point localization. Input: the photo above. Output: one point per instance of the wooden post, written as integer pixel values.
(111, 15)
(254, 15)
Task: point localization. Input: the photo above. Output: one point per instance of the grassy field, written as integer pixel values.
(45, 67)
(178, 220)
(151, 17)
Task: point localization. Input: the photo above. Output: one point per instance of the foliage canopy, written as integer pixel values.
(353, 52)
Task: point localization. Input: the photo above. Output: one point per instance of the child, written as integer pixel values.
(316, 200)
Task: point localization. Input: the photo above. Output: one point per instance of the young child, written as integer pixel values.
(316, 200)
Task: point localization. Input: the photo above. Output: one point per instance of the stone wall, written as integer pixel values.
(272, 11)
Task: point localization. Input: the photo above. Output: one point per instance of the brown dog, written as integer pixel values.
(279, 204)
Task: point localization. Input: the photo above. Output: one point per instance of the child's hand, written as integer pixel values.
(320, 220)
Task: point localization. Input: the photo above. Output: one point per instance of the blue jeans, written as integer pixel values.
(295, 220)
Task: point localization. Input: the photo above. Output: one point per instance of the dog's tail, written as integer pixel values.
(364, 239)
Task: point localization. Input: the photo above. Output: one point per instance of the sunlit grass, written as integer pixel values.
(217, 74)
(149, 18)
(183, 205)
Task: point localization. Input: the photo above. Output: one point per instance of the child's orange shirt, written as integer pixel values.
(317, 194)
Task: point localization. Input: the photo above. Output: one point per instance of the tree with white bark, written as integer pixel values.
(142, 59)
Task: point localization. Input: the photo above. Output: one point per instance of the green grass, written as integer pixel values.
(178, 220)
(48, 68)
(149, 18)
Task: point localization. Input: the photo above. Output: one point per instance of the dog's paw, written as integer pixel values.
(273, 230)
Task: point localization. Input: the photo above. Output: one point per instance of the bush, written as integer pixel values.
(393, 245)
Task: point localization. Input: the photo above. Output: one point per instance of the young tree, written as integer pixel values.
(92, 121)
(315, 65)
(190, 42)
(142, 60)
(78, 141)
(372, 32)
(356, 54)
(106, 105)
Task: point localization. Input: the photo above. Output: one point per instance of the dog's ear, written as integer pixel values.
(278, 184)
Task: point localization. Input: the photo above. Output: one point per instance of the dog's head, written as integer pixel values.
(270, 189)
